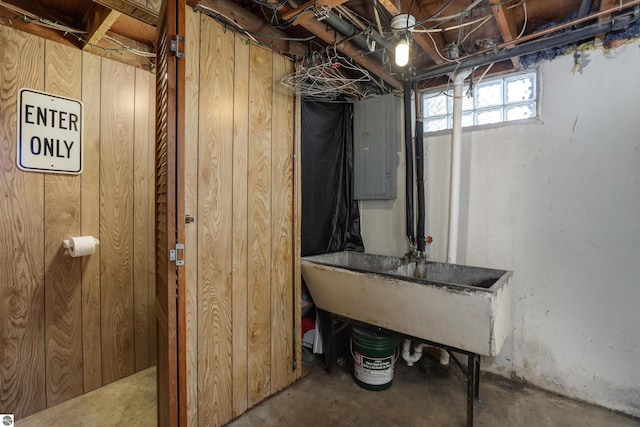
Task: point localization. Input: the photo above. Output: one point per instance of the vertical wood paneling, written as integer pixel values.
(22, 338)
(50, 304)
(259, 224)
(191, 207)
(215, 225)
(90, 223)
(245, 223)
(281, 231)
(240, 151)
(63, 288)
(141, 177)
(297, 232)
(116, 220)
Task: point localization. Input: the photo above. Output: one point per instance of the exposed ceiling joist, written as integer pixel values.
(98, 21)
(604, 5)
(350, 50)
(347, 48)
(131, 8)
(299, 12)
(26, 16)
(426, 45)
(506, 24)
(87, 35)
(258, 28)
(111, 46)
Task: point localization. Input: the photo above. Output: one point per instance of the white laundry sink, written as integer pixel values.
(464, 307)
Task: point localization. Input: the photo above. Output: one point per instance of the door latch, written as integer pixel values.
(177, 254)
(175, 46)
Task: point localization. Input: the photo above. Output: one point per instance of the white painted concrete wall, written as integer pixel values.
(558, 203)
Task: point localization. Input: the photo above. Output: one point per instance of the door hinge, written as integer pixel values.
(175, 46)
(177, 254)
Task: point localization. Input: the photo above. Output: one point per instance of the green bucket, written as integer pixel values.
(374, 356)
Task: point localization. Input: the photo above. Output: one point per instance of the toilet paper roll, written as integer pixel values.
(81, 246)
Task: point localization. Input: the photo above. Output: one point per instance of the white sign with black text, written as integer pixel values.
(49, 133)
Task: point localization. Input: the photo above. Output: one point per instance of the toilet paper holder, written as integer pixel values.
(68, 244)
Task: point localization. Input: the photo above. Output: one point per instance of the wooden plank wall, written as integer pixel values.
(240, 251)
(71, 325)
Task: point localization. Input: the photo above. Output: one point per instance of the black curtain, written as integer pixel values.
(330, 216)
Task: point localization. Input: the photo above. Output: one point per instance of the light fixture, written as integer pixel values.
(402, 53)
(402, 26)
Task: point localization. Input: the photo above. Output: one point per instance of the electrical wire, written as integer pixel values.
(77, 34)
(216, 15)
(130, 49)
(454, 27)
(435, 45)
(524, 24)
(484, 21)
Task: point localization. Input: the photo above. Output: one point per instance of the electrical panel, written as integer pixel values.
(376, 124)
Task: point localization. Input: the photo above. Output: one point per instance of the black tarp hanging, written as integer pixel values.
(330, 216)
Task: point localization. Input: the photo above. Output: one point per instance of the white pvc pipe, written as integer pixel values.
(454, 193)
(456, 157)
(417, 352)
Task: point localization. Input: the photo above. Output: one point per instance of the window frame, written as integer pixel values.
(503, 105)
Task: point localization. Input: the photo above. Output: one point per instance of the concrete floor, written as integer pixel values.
(128, 402)
(417, 397)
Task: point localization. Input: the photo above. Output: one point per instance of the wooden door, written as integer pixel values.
(170, 218)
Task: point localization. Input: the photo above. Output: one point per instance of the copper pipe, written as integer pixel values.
(568, 24)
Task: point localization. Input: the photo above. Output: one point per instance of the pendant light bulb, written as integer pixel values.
(402, 53)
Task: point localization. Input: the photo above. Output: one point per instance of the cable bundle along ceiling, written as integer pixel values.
(327, 76)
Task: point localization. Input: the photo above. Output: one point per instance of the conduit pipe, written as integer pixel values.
(529, 47)
(408, 146)
(419, 143)
(352, 32)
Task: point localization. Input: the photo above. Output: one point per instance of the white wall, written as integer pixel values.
(558, 203)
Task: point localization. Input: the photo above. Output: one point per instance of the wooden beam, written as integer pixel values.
(321, 31)
(33, 9)
(133, 9)
(507, 26)
(254, 24)
(98, 20)
(15, 15)
(352, 51)
(604, 5)
(423, 41)
(101, 48)
(260, 30)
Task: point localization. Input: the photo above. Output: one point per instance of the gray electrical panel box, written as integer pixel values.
(376, 124)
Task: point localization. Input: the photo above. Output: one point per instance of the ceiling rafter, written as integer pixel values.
(98, 20)
(93, 28)
(421, 40)
(299, 15)
(506, 24)
(604, 5)
(111, 50)
(133, 9)
(347, 48)
(258, 28)
(32, 10)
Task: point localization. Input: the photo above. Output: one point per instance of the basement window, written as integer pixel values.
(497, 100)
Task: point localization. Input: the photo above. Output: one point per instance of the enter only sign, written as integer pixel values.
(49, 133)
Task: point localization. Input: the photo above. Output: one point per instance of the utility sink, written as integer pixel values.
(460, 306)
